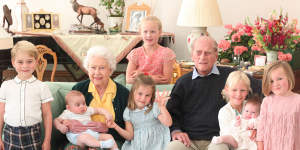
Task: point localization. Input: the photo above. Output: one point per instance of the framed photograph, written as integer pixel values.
(41, 21)
(260, 60)
(135, 13)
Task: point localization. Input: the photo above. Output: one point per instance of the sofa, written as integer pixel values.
(59, 90)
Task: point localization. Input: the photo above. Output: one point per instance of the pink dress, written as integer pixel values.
(153, 65)
(279, 122)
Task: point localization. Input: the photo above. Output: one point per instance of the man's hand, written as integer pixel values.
(183, 137)
(97, 126)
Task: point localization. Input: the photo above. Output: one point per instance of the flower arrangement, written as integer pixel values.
(274, 34)
(238, 42)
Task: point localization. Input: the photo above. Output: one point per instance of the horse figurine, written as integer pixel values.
(85, 10)
(7, 17)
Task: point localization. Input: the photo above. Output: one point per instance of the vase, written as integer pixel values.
(20, 10)
(271, 56)
(115, 24)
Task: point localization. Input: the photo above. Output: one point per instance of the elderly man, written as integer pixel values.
(196, 100)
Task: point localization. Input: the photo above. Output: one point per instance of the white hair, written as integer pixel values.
(103, 52)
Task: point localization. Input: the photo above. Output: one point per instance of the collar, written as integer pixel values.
(214, 70)
(30, 80)
(143, 109)
(110, 89)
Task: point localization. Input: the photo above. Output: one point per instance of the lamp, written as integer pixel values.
(198, 14)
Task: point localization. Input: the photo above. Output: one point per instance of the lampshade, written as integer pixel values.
(199, 13)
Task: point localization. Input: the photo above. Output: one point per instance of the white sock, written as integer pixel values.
(107, 144)
(216, 140)
(116, 149)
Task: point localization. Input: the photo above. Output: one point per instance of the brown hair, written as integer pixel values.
(153, 19)
(24, 46)
(266, 81)
(145, 80)
(71, 94)
(255, 100)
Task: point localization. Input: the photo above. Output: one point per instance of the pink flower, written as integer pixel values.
(238, 26)
(224, 45)
(284, 57)
(238, 50)
(228, 26)
(256, 48)
(236, 37)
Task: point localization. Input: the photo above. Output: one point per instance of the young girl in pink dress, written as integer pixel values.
(151, 58)
(279, 124)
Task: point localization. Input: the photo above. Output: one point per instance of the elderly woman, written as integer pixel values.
(101, 91)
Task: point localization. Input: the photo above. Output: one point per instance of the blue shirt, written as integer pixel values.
(214, 70)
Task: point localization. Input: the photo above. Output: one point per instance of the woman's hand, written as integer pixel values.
(182, 137)
(61, 125)
(97, 126)
(75, 126)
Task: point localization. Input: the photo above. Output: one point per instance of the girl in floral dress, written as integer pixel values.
(151, 58)
(279, 124)
(147, 120)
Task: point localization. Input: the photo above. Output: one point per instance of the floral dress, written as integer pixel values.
(153, 65)
(149, 133)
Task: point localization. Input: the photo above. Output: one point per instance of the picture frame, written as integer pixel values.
(41, 21)
(260, 60)
(28, 21)
(135, 13)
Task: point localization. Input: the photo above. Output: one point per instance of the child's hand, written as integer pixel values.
(107, 115)
(237, 121)
(1, 145)
(110, 124)
(135, 73)
(162, 99)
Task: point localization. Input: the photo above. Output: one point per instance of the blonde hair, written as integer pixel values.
(70, 95)
(233, 78)
(152, 19)
(24, 47)
(266, 81)
(140, 80)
